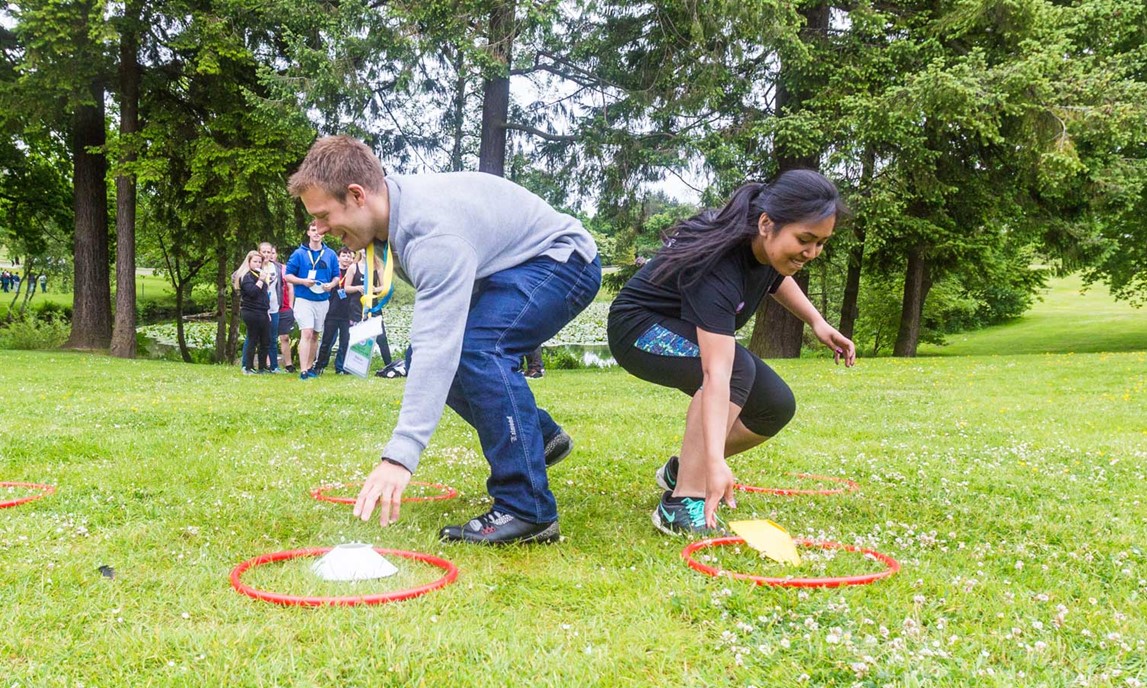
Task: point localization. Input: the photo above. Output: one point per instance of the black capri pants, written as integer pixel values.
(664, 351)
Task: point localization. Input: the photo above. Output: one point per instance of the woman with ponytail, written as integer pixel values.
(674, 324)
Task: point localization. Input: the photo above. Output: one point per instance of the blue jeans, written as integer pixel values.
(273, 350)
(512, 313)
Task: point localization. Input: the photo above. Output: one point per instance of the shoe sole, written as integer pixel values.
(548, 536)
(660, 525)
(562, 456)
(687, 534)
(661, 481)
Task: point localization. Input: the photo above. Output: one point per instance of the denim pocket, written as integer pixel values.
(660, 341)
(584, 288)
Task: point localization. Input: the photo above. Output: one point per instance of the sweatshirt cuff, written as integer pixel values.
(404, 451)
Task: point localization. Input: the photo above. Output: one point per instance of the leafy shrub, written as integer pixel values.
(30, 332)
(49, 310)
(560, 358)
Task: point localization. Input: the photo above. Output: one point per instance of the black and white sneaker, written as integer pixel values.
(396, 368)
(667, 474)
(558, 447)
(499, 528)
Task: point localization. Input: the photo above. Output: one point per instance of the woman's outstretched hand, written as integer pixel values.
(719, 483)
(842, 347)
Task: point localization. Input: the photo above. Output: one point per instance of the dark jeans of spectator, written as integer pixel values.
(534, 360)
(330, 329)
(384, 346)
(272, 351)
(259, 332)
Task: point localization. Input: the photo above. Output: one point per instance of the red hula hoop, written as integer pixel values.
(849, 486)
(45, 490)
(348, 601)
(447, 492)
(892, 565)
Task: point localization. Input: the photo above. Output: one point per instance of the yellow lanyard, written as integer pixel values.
(385, 291)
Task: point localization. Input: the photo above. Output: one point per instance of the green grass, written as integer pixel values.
(1008, 487)
(1065, 320)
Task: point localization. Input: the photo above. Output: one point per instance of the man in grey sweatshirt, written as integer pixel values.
(496, 272)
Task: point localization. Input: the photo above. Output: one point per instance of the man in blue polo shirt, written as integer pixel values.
(314, 270)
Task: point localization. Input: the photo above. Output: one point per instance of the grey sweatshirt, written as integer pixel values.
(447, 232)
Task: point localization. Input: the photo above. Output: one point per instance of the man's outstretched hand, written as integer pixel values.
(383, 488)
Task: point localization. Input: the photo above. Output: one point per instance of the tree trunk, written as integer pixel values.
(792, 90)
(123, 334)
(496, 91)
(180, 335)
(916, 285)
(778, 333)
(458, 121)
(222, 286)
(91, 311)
(233, 331)
(849, 310)
(230, 297)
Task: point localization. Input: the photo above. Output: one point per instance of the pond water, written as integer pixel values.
(590, 355)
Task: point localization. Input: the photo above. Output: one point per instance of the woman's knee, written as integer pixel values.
(771, 404)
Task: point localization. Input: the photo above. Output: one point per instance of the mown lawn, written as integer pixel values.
(1066, 319)
(1009, 487)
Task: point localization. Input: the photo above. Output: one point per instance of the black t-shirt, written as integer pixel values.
(340, 307)
(721, 302)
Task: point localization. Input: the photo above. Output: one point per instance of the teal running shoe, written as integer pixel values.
(682, 516)
(667, 474)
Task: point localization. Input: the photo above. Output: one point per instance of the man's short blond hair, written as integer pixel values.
(335, 162)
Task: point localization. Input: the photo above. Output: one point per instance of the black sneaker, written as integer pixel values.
(393, 370)
(682, 516)
(535, 373)
(499, 528)
(667, 474)
(558, 447)
(291, 369)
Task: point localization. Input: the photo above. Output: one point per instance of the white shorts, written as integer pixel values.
(311, 314)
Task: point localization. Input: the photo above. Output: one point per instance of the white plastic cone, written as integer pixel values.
(353, 561)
